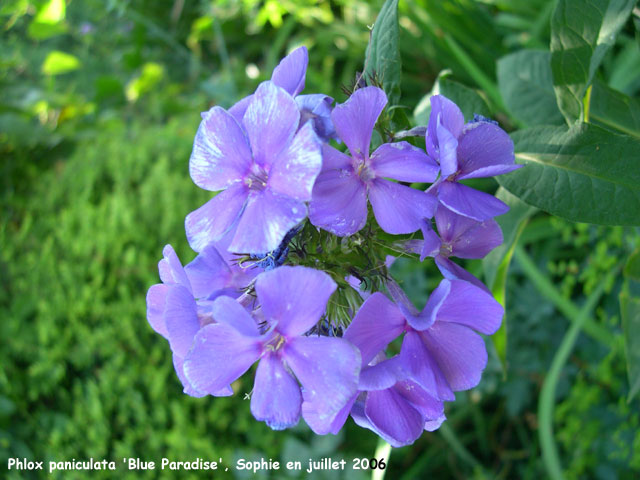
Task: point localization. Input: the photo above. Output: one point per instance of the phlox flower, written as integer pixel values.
(292, 301)
(264, 168)
(174, 312)
(475, 150)
(339, 202)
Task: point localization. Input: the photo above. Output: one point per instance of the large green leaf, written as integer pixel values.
(613, 109)
(583, 174)
(382, 59)
(496, 264)
(526, 86)
(466, 98)
(581, 33)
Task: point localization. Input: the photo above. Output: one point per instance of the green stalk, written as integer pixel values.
(383, 450)
(566, 307)
(546, 403)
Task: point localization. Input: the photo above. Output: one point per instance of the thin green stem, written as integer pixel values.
(546, 403)
(565, 306)
(383, 450)
(458, 448)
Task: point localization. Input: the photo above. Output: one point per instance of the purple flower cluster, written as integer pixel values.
(288, 234)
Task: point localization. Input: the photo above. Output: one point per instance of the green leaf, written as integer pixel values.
(584, 174)
(496, 264)
(613, 109)
(632, 268)
(466, 98)
(383, 53)
(526, 85)
(58, 63)
(581, 33)
(49, 20)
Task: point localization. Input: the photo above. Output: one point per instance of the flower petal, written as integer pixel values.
(400, 209)
(446, 114)
(221, 154)
(226, 310)
(294, 298)
(265, 221)
(382, 375)
(469, 202)
(316, 109)
(220, 355)
(447, 150)
(453, 271)
(298, 165)
(482, 145)
(377, 323)
(393, 417)
(178, 364)
(181, 319)
(428, 316)
(212, 220)
(429, 406)
(422, 367)
(170, 268)
(328, 369)
(322, 424)
(239, 108)
(471, 306)
(290, 72)
(404, 162)
(335, 159)
(354, 120)
(156, 300)
(468, 238)
(339, 202)
(271, 121)
(431, 244)
(459, 353)
(276, 397)
(208, 272)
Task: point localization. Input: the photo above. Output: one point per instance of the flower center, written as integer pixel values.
(446, 249)
(257, 178)
(364, 171)
(275, 343)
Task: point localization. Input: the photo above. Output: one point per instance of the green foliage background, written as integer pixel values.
(99, 103)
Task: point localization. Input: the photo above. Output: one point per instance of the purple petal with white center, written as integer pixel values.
(181, 319)
(354, 120)
(471, 306)
(240, 107)
(469, 202)
(422, 367)
(290, 72)
(320, 423)
(220, 355)
(483, 145)
(276, 397)
(447, 150)
(208, 272)
(431, 245)
(391, 415)
(265, 221)
(428, 316)
(458, 351)
(221, 154)
(404, 162)
(453, 271)
(447, 114)
(295, 170)
(377, 323)
(294, 298)
(212, 220)
(271, 121)
(156, 301)
(339, 202)
(382, 375)
(170, 268)
(400, 209)
(328, 369)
